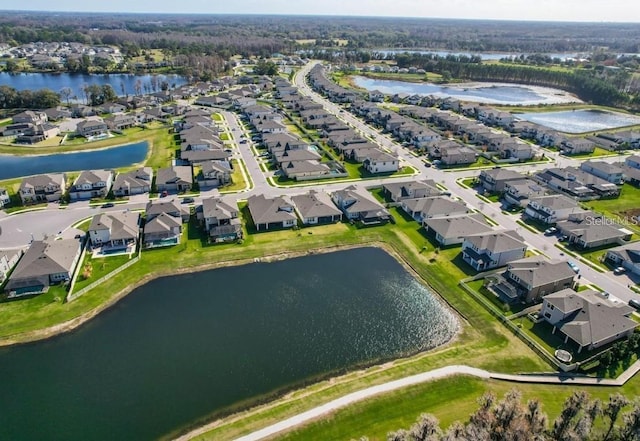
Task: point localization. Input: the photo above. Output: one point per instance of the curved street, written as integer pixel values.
(18, 230)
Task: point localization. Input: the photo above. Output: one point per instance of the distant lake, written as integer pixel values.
(115, 157)
(57, 81)
(482, 55)
(478, 92)
(580, 121)
(184, 347)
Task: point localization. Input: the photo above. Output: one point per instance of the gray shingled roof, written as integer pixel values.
(497, 241)
(42, 259)
(267, 211)
(141, 177)
(218, 208)
(93, 177)
(555, 201)
(435, 206)
(537, 270)
(43, 180)
(162, 223)
(592, 318)
(315, 204)
(121, 225)
(174, 174)
(458, 226)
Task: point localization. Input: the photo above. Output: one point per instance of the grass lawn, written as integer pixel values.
(217, 117)
(130, 136)
(597, 152)
(376, 417)
(237, 178)
(622, 209)
(99, 267)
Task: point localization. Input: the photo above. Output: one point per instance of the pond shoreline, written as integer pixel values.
(75, 323)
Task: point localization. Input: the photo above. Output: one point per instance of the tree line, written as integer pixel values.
(11, 98)
(582, 418)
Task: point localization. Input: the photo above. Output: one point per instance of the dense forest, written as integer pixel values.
(263, 35)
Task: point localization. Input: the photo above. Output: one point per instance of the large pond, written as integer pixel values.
(483, 55)
(182, 348)
(580, 121)
(478, 92)
(76, 81)
(114, 157)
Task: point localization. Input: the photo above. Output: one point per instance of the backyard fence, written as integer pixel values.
(515, 329)
(74, 295)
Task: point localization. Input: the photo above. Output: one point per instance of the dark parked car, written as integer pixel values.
(635, 303)
(188, 201)
(108, 205)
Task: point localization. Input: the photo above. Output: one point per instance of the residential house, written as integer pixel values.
(577, 183)
(378, 161)
(270, 213)
(111, 108)
(309, 169)
(519, 192)
(45, 263)
(577, 146)
(134, 182)
(37, 133)
(426, 208)
(8, 259)
(172, 207)
(532, 278)
(91, 184)
(457, 155)
(487, 251)
(626, 256)
(30, 117)
(162, 230)
(220, 218)
(633, 161)
(115, 230)
(550, 209)
(588, 318)
(91, 127)
(399, 191)
(120, 122)
(589, 230)
(174, 179)
(631, 175)
(358, 204)
(42, 188)
(214, 174)
(315, 208)
(609, 172)
(5, 199)
(451, 230)
(495, 180)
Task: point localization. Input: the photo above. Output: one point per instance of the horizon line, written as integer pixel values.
(276, 14)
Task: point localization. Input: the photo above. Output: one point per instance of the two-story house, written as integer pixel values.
(115, 230)
(42, 188)
(92, 184)
(587, 318)
(486, 251)
(550, 209)
(221, 219)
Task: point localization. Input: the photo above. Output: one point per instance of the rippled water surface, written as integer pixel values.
(181, 348)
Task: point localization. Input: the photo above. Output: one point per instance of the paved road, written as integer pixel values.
(354, 397)
(17, 230)
(615, 285)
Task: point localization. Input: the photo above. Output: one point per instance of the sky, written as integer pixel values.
(553, 10)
